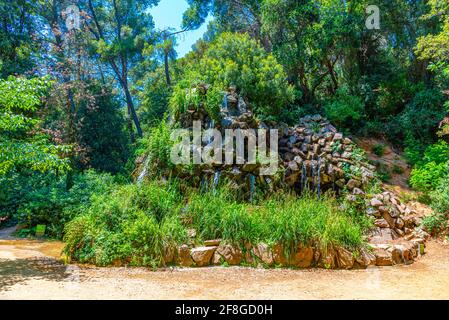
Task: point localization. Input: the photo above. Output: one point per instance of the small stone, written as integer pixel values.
(184, 258)
(399, 223)
(396, 255)
(381, 223)
(263, 252)
(231, 254)
(346, 155)
(345, 258)
(217, 259)
(358, 191)
(169, 254)
(365, 259)
(202, 255)
(376, 202)
(389, 219)
(383, 257)
(338, 136)
(303, 257)
(352, 183)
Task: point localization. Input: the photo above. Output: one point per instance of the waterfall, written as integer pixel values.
(210, 126)
(318, 185)
(313, 164)
(303, 176)
(252, 186)
(225, 101)
(217, 175)
(144, 172)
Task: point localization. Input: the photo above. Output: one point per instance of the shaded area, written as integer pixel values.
(21, 270)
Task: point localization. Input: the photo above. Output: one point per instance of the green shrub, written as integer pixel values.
(282, 219)
(420, 118)
(379, 149)
(44, 199)
(130, 225)
(344, 108)
(440, 197)
(431, 168)
(235, 59)
(435, 223)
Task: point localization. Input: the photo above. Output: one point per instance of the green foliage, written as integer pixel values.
(283, 219)
(100, 131)
(21, 144)
(159, 145)
(44, 199)
(434, 165)
(420, 118)
(131, 225)
(195, 98)
(236, 59)
(379, 149)
(439, 201)
(344, 109)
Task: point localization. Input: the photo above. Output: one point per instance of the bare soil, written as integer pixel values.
(31, 269)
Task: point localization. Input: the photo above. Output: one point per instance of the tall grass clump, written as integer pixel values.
(283, 218)
(131, 225)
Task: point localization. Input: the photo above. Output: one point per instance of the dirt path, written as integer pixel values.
(31, 269)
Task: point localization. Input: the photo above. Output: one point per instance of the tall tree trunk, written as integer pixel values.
(131, 110)
(167, 70)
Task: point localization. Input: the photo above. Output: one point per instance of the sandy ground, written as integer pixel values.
(32, 270)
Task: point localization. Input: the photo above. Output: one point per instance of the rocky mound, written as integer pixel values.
(313, 157)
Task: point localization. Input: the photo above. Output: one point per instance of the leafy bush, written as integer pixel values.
(344, 108)
(44, 199)
(131, 225)
(379, 149)
(432, 167)
(421, 116)
(440, 196)
(21, 144)
(236, 59)
(282, 219)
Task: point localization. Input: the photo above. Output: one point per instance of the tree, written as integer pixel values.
(237, 60)
(121, 29)
(22, 144)
(435, 47)
(18, 37)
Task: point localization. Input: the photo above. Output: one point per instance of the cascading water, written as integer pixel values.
(303, 176)
(252, 187)
(318, 185)
(144, 171)
(313, 164)
(225, 101)
(217, 175)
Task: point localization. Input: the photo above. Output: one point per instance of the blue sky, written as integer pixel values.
(169, 14)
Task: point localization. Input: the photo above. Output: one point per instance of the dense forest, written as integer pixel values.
(82, 102)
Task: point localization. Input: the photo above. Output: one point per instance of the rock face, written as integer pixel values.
(231, 254)
(317, 157)
(202, 255)
(184, 258)
(393, 219)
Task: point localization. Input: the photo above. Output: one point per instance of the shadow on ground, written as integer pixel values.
(16, 271)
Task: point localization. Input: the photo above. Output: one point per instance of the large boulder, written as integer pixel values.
(202, 255)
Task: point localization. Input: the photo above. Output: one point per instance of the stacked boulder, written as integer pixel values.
(316, 156)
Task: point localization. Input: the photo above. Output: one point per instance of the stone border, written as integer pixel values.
(215, 253)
